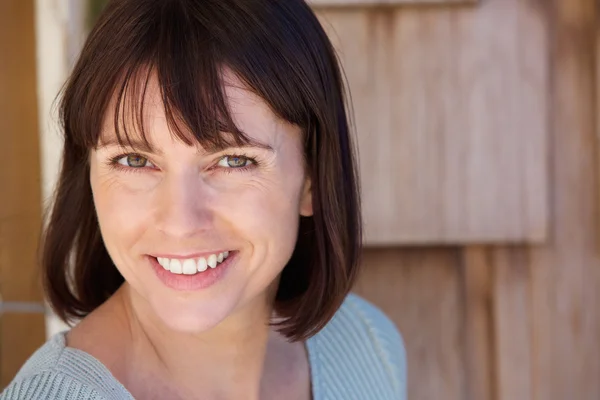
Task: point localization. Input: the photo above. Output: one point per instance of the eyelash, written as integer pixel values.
(114, 163)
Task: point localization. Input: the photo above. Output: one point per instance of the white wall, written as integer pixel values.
(59, 34)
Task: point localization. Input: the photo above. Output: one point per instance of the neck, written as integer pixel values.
(205, 363)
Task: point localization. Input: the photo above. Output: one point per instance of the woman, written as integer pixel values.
(208, 210)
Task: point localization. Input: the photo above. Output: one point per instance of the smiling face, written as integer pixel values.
(169, 214)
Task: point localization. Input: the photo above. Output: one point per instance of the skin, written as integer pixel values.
(213, 343)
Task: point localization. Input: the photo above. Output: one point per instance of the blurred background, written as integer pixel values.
(477, 128)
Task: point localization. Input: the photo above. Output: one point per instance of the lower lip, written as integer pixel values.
(198, 281)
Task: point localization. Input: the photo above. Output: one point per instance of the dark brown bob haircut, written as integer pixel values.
(279, 50)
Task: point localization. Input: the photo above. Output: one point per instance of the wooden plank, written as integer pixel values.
(20, 335)
(420, 291)
(19, 272)
(566, 275)
(497, 323)
(451, 115)
(19, 164)
(511, 285)
(478, 324)
(20, 202)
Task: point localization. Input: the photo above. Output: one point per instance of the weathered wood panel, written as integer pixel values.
(566, 273)
(544, 301)
(421, 291)
(512, 330)
(478, 328)
(451, 120)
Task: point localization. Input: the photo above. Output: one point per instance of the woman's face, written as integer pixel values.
(169, 217)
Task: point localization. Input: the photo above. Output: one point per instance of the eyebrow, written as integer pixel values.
(144, 146)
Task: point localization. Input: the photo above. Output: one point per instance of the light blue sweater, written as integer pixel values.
(359, 355)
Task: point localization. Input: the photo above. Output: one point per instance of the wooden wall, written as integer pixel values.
(520, 320)
(451, 119)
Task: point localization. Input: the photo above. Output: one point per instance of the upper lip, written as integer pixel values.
(189, 255)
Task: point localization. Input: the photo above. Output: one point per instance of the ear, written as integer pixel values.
(306, 207)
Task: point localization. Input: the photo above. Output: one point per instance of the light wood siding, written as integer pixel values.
(515, 322)
(451, 118)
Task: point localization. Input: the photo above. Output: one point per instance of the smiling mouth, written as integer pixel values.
(192, 266)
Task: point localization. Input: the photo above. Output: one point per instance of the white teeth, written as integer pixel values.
(165, 262)
(176, 267)
(212, 261)
(189, 267)
(192, 266)
(202, 265)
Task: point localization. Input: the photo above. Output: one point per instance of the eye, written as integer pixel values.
(134, 161)
(235, 162)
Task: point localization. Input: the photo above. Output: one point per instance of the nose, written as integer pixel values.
(183, 207)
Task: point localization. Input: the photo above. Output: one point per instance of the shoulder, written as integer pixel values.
(56, 372)
(383, 331)
(362, 335)
(384, 336)
(49, 384)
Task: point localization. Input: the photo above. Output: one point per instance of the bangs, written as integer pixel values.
(196, 109)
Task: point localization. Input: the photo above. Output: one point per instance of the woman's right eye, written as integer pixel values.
(134, 161)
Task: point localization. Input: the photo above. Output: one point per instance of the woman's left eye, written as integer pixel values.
(134, 161)
(235, 162)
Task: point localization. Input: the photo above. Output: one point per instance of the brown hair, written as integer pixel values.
(280, 51)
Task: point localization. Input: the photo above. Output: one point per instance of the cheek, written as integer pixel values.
(265, 212)
(122, 212)
(267, 205)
